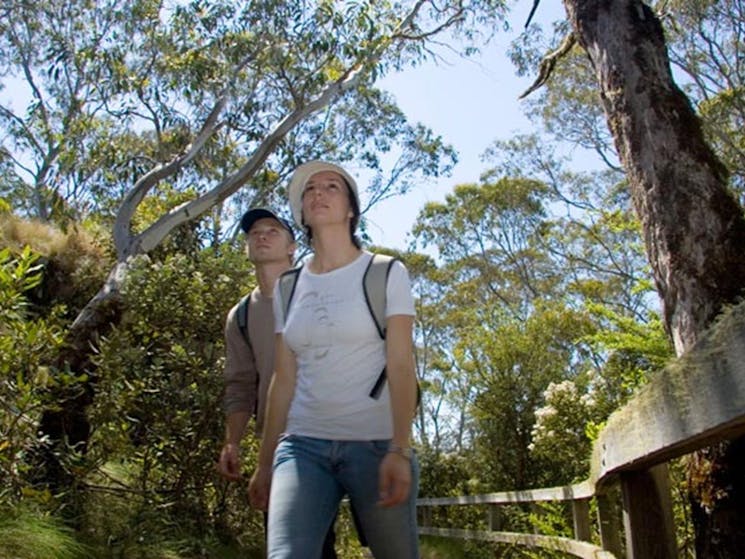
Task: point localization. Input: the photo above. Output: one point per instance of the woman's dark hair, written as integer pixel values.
(352, 223)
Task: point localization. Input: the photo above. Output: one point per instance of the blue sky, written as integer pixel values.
(470, 103)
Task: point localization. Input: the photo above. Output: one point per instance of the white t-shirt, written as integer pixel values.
(339, 352)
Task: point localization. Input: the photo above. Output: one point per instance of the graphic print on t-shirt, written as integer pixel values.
(321, 329)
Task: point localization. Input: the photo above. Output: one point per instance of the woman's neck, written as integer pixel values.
(332, 251)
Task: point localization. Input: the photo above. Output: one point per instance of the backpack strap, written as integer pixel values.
(241, 315)
(286, 285)
(374, 284)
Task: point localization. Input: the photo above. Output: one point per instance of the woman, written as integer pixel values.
(324, 436)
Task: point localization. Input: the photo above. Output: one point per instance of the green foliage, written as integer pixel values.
(147, 76)
(575, 410)
(550, 519)
(158, 418)
(124, 522)
(590, 243)
(74, 261)
(678, 470)
(512, 377)
(27, 346)
(509, 309)
(18, 275)
(561, 441)
(438, 425)
(450, 475)
(634, 349)
(433, 547)
(706, 42)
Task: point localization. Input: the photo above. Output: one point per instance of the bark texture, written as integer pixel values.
(67, 425)
(693, 227)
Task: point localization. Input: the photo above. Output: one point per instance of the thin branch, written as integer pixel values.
(532, 12)
(27, 133)
(549, 62)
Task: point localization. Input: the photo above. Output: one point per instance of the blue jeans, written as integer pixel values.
(310, 477)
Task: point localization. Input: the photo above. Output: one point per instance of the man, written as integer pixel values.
(270, 245)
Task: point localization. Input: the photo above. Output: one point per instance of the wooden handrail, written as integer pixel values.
(693, 402)
(584, 550)
(582, 490)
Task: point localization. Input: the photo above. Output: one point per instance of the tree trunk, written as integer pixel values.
(66, 424)
(693, 227)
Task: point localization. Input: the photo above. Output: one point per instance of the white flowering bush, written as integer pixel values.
(560, 436)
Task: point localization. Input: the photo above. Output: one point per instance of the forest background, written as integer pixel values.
(152, 127)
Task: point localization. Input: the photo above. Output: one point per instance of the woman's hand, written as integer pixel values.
(258, 488)
(394, 480)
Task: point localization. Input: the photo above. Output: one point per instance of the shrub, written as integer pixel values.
(27, 347)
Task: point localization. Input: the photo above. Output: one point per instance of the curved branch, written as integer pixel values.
(154, 234)
(150, 238)
(122, 238)
(549, 62)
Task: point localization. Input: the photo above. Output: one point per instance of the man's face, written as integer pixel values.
(268, 241)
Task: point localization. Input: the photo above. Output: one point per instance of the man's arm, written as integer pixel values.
(229, 465)
(239, 402)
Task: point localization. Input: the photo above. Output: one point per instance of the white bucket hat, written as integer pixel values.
(300, 178)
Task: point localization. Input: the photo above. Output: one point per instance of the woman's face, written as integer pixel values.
(326, 199)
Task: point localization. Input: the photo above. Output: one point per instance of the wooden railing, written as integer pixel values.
(697, 400)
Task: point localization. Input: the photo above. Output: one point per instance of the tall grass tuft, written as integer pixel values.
(25, 534)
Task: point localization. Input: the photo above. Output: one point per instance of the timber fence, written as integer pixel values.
(696, 401)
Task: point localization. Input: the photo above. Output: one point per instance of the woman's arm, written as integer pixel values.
(395, 470)
(399, 364)
(279, 398)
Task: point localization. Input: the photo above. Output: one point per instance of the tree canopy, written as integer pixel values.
(150, 127)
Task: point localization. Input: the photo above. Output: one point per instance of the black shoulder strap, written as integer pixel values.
(241, 315)
(374, 285)
(286, 285)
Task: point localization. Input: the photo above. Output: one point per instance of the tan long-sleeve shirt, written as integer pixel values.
(248, 368)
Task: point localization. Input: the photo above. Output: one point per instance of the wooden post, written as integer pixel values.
(495, 518)
(536, 510)
(581, 518)
(610, 522)
(648, 514)
(425, 516)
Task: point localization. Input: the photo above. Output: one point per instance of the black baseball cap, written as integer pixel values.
(255, 214)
